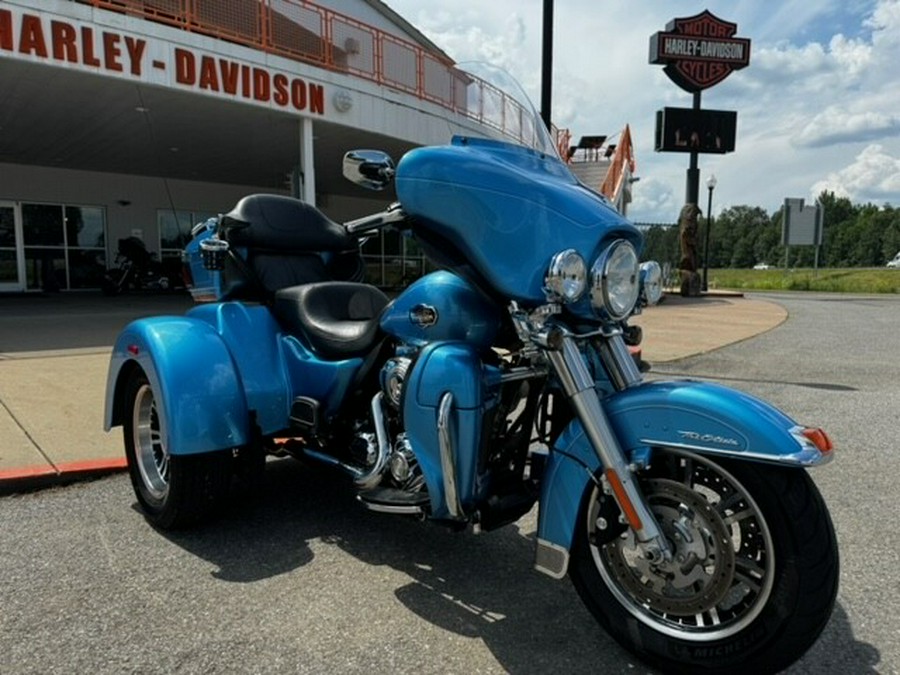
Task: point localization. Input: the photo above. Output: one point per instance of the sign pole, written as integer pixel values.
(692, 189)
(698, 52)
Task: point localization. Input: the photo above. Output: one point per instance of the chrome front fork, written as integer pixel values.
(578, 384)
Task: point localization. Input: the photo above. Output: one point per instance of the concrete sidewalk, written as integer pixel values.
(54, 354)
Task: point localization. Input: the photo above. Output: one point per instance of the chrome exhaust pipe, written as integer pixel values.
(363, 478)
(369, 479)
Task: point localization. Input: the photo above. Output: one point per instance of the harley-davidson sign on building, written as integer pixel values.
(699, 51)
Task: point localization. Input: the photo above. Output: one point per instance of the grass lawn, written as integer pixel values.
(850, 280)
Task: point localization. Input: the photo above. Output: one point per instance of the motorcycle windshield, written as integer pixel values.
(496, 207)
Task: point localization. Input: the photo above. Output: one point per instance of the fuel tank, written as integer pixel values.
(442, 307)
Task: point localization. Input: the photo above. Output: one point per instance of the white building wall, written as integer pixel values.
(365, 13)
(145, 196)
(375, 108)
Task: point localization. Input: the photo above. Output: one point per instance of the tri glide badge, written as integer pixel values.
(708, 438)
(423, 316)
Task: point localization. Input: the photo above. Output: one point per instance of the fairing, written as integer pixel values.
(504, 210)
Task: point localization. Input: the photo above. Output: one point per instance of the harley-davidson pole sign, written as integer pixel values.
(699, 51)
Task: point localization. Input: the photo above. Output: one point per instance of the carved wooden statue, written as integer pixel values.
(687, 235)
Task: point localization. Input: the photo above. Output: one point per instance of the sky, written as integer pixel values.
(818, 106)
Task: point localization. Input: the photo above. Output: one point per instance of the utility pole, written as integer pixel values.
(547, 63)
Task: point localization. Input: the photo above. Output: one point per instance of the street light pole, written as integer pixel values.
(711, 184)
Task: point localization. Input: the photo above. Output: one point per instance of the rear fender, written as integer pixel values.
(252, 340)
(702, 417)
(274, 367)
(200, 401)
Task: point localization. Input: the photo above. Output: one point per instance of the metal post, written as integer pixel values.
(307, 168)
(711, 184)
(692, 193)
(547, 63)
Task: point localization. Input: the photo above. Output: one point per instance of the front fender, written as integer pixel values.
(698, 416)
(199, 397)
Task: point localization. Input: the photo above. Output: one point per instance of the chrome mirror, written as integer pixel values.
(371, 169)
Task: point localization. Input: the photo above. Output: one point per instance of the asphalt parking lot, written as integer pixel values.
(304, 581)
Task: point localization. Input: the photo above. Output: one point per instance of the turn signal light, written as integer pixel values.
(820, 439)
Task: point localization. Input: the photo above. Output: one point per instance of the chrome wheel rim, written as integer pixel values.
(723, 568)
(151, 455)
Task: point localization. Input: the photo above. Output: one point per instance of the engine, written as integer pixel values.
(402, 464)
(393, 375)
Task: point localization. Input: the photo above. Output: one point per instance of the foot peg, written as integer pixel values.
(392, 500)
(305, 414)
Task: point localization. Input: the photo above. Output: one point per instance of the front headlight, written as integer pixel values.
(566, 278)
(615, 281)
(651, 282)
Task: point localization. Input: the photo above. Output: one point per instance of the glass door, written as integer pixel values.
(12, 260)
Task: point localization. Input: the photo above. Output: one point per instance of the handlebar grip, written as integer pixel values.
(365, 224)
(394, 214)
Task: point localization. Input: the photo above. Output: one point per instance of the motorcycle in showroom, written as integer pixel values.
(135, 268)
(682, 511)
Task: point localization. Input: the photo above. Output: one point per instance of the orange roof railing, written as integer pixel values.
(304, 31)
(622, 157)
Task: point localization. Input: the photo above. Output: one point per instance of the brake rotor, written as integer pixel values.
(701, 571)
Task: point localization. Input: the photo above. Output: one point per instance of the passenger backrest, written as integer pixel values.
(288, 242)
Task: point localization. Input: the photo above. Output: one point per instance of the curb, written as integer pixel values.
(30, 478)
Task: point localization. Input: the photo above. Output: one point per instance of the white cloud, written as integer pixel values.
(885, 24)
(851, 56)
(821, 86)
(838, 125)
(654, 201)
(873, 176)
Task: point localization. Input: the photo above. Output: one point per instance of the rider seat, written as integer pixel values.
(339, 319)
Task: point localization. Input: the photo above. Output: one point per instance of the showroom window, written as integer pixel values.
(175, 229)
(64, 244)
(392, 260)
(174, 234)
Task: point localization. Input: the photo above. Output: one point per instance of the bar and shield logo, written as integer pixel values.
(699, 51)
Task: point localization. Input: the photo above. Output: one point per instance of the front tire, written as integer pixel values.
(755, 573)
(174, 491)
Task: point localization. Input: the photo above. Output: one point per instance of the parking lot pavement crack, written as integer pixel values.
(30, 438)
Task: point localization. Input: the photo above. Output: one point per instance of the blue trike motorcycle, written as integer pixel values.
(681, 510)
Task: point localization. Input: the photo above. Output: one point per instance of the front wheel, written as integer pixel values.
(754, 573)
(173, 490)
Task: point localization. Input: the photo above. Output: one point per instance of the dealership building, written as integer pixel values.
(140, 118)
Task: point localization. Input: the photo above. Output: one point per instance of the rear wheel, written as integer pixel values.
(754, 574)
(173, 490)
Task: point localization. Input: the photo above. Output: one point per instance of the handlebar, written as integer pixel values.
(393, 214)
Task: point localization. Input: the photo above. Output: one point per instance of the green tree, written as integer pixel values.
(661, 244)
(855, 235)
(736, 234)
(839, 216)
